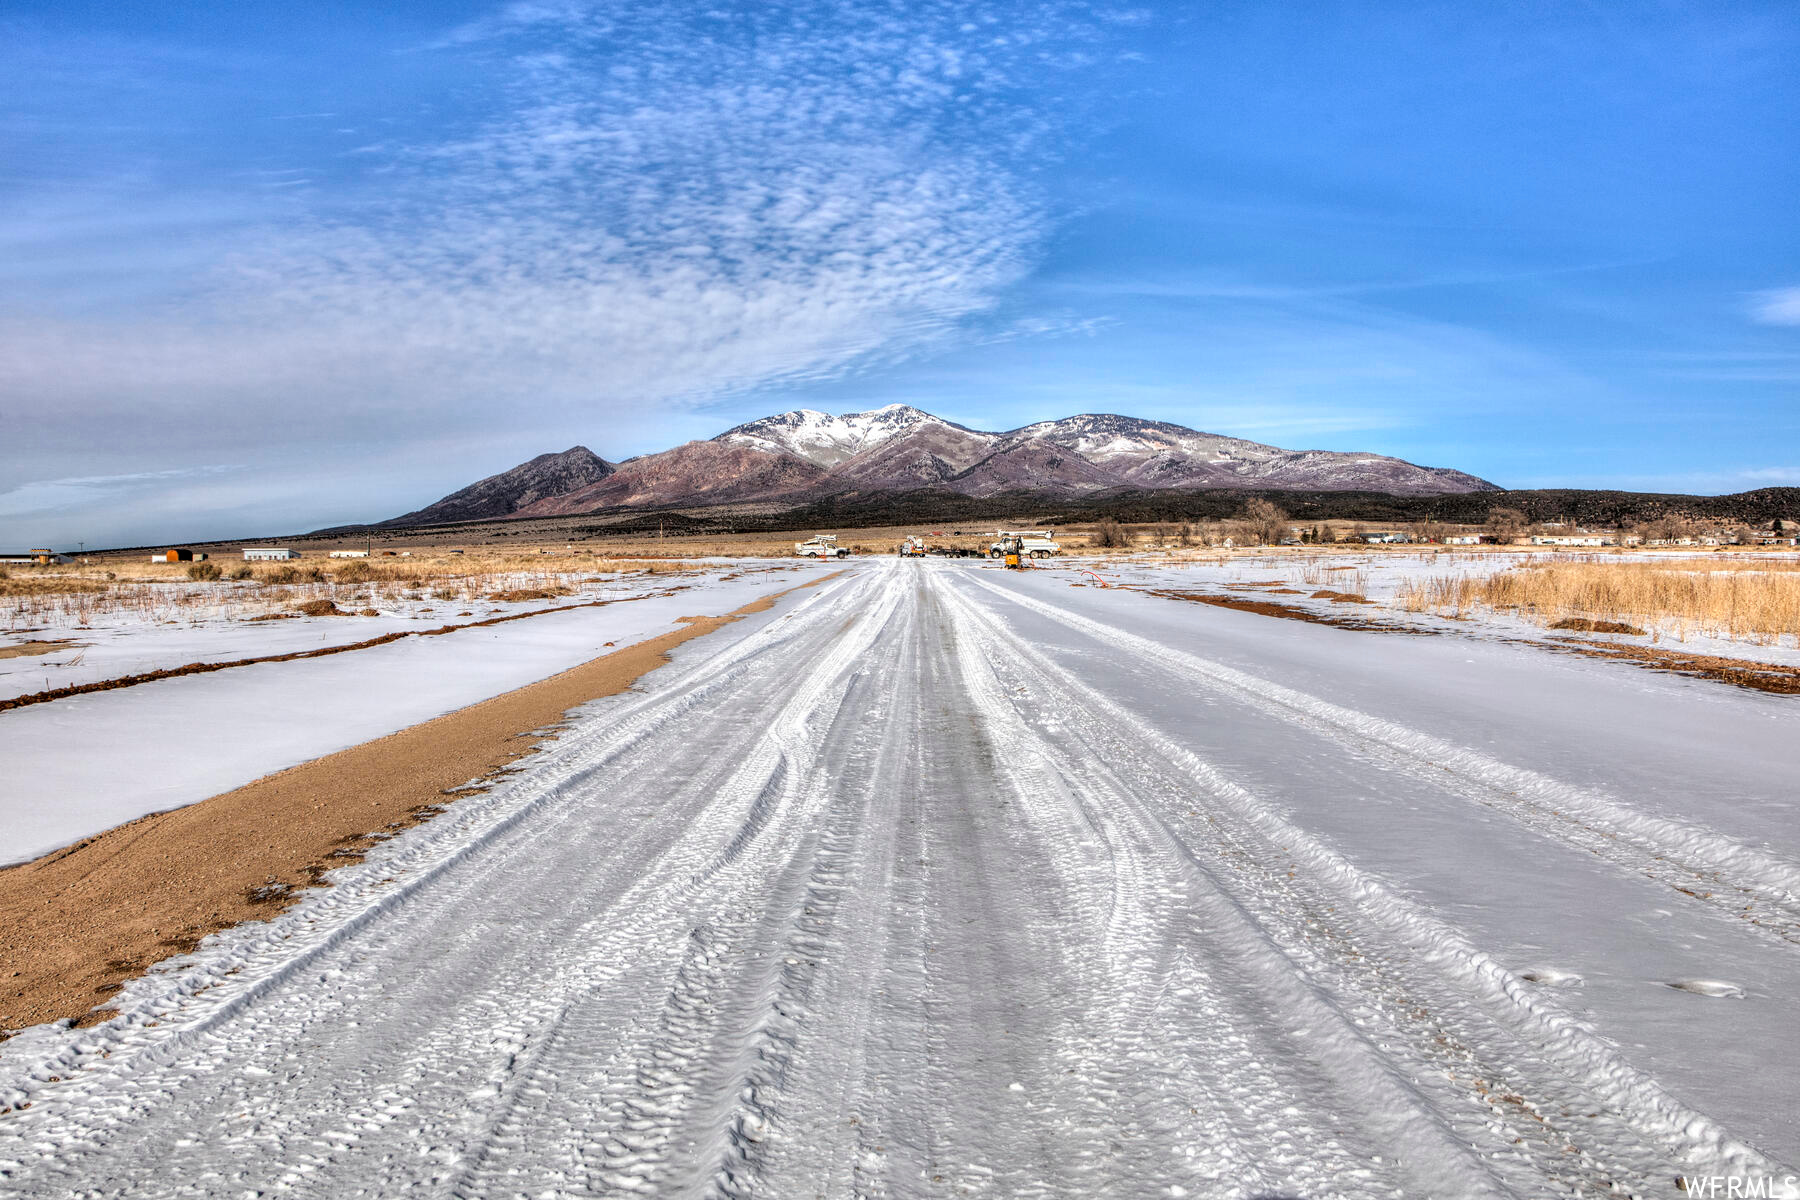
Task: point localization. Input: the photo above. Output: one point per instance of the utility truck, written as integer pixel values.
(913, 547)
(824, 545)
(1031, 543)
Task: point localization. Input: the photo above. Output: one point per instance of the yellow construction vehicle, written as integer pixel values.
(1012, 550)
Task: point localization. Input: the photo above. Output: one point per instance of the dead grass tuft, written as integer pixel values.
(516, 595)
(50, 585)
(1589, 625)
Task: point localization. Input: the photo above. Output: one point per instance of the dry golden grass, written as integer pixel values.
(1753, 599)
(49, 585)
(163, 592)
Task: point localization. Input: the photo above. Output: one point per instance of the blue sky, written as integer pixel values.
(266, 266)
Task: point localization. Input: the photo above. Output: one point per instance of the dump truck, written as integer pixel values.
(825, 545)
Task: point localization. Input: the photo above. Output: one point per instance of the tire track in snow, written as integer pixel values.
(761, 815)
(1530, 1038)
(1748, 885)
(1141, 964)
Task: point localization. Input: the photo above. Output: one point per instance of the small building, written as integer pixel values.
(349, 554)
(1570, 539)
(268, 554)
(35, 558)
(1462, 539)
(176, 556)
(1386, 539)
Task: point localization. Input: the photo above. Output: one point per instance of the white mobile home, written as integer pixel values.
(268, 554)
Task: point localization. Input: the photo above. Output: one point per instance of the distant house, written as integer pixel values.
(35, 558)
(1462, 539)
(1386, 539)
(1570, 539)
(349, 554)
(176, 556)
(268, 554)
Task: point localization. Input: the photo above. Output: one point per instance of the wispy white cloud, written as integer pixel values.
(76, 492)
(665, 204)
(1778, 306)
(1732, 366)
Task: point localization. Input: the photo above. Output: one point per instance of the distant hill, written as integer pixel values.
(505, 494)
(801, 458)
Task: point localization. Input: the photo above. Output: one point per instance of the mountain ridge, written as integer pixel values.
(804, 455)
(505, 494)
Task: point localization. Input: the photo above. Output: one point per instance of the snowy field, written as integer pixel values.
(942, 880)
(1382, 576)
(86, 763)
(171, 624)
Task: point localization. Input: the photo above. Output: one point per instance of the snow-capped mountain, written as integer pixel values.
(803, 455)
(827, 440)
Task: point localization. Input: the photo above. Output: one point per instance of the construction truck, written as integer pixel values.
(913, 547)
(1031, 543)
(1010, 549)
(824, 545)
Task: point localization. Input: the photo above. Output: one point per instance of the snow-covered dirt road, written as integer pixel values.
(940, 880)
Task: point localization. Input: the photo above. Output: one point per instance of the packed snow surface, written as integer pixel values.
(943, 880)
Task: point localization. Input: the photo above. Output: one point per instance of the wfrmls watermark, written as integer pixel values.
(1742, 1187)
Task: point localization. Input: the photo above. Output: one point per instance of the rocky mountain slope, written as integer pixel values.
(695, 473)
(904, 447)
(509, 492)
(804, 455)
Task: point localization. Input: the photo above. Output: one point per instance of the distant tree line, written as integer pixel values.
(1494, 511)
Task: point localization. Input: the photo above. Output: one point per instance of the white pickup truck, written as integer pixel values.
(1033, 543)
(825, 545)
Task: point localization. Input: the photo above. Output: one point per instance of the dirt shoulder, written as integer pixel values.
(81, 921)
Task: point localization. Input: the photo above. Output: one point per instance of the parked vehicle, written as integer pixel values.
(824, 545)
(1032, 543)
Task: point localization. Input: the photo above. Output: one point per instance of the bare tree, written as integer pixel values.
(1264, 521)
(1185, 535)
(1505, 525)
(1109, 534)
(1670, 528)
